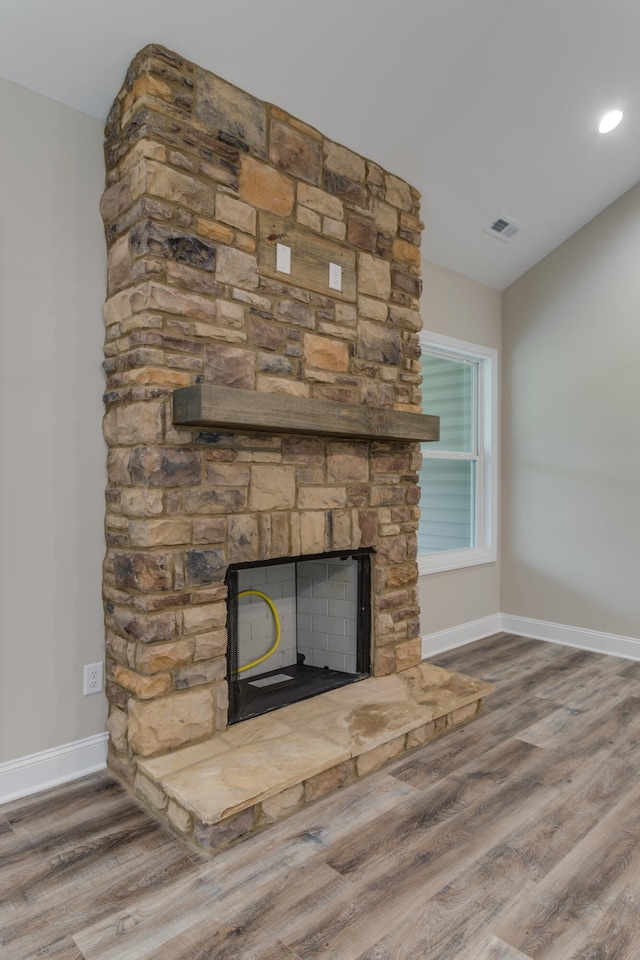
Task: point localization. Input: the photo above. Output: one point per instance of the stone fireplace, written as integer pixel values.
(252, 415)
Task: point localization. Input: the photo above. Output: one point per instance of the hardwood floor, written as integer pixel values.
(516, 837)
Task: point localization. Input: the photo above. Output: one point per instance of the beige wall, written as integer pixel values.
(458, 307)
(52, 471)
(571, 430)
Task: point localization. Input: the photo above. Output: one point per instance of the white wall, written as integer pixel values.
(571, 430)
(467, 310)
(52, 470)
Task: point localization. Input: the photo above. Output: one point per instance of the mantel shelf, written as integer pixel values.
(209, 405)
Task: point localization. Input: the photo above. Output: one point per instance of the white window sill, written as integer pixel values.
(453, 560)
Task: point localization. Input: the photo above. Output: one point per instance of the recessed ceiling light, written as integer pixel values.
(609, 122)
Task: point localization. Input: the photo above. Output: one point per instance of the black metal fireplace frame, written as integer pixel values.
(326, 679)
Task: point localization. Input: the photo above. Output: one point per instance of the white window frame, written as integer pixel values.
(486, 506)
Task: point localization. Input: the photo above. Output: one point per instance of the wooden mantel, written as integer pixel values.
(208, 405)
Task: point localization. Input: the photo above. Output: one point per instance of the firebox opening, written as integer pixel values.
(319, 606)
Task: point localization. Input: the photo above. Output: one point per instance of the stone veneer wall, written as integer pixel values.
(196, 171)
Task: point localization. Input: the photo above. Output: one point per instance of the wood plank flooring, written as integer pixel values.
(516, 837)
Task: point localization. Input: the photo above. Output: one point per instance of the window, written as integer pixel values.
(458, 478)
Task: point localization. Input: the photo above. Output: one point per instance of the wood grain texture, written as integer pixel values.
(310, 257)
(209, 405)
(516, 837)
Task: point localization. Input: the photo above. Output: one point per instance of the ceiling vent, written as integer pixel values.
(503, 228)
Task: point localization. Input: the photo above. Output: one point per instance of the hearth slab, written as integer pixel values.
(269, 755)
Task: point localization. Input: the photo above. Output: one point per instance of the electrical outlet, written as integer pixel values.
(93, 678)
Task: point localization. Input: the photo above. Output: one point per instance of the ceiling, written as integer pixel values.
(487, 106)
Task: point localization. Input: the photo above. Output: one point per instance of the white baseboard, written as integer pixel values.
(27, 775)
(443, 640)
(611, 643)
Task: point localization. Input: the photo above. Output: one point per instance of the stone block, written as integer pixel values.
(154, 296)
(266, 188)
(116, 199)
(155, 178)
(154, 533)
(214, 836)
(272, 487)
(407, 283)
(408, 654)
(295, 153)
(346, 314)
(385, 218)
(311, 531)
(374, 276)
(321, 498)
(134, 423)
(345, 188)
(141, 501)
(377, 394)
(145, 572)
(320, 201)
(398, 193)
(376, 758)
(180, 818)
(165, 467)
(243, 538)
(237, 268)
(347, 462)
(379, 343)
(209, 646)
(308, 218)
(236, 213)
(218, 500)
(407, 252)
(170, 722)
(144, 687)
(224, 107)
(229, 366)
(334, 228)
(297, 313)
(156, 240)
(226, 474)
(362, 233)
(117, 725)
(406, 318)
(145, 627)
(209, 530)
(196, 674)
(119, 266)
(214, 231)
(463, 713)
(325, 353)
(341, 530)
(343, 161)
(372, 309)
(206, 616)
(159, 657)
(329, 781)
(268, 334)
(425, 733)
(273, 363)
(304, 450)
(283, 804)
(150, 792)
(204, 566)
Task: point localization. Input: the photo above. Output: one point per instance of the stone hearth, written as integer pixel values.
(203, 181)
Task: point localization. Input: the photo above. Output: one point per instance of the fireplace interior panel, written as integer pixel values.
(321, 605)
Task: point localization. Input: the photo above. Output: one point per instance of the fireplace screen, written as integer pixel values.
(296, 628)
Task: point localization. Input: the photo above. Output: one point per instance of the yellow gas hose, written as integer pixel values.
(276, 620)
